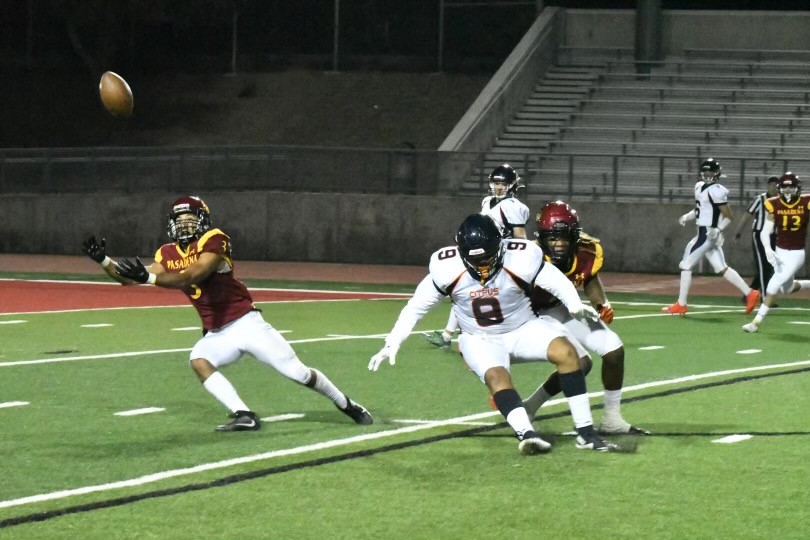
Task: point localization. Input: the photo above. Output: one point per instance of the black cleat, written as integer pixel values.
(242, 421)
(593, 441)
(357, 412)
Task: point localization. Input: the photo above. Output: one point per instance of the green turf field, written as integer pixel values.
(437, 463)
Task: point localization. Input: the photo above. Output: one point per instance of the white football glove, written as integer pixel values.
(682, 221)
(585, 313)
(772, 257)
(387, 352)
(713, 234)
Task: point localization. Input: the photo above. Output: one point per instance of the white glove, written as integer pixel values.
(387, 352)
(773, 258)
(712, 234)
(585, 314)
(721, 239)
(682, 221)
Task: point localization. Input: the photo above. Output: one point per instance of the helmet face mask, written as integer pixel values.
(479, 243)
(558, 232)
(789, 187)
(189, 219)
(503, 181)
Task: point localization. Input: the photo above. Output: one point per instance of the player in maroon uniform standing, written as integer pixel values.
(788, 214)
(198, 262)
(579, 256)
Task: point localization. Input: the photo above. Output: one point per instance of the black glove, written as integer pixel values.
(135, 271)
(95, 250)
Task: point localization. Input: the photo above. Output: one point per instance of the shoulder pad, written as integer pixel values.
(445, 266)
(588, 243)
(522, 258)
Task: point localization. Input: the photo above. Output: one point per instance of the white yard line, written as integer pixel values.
(733, 439)
(167, 351)
(282, 417)
(136, 412)
(18, 321)
(14, 404)
(164, 475)
(97, 325)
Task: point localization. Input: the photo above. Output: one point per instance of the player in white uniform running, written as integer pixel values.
(712, 215)
(489, 281)
(509, 214)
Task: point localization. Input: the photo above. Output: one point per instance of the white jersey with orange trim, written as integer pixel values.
(500, 305)
(508, 213)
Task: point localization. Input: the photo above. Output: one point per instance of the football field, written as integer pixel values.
(106, 433)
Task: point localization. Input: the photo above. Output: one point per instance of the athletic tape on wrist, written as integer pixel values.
(106, 262)
(151, 279)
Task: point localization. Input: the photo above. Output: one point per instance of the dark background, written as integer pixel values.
(177, 56)
(196, 35)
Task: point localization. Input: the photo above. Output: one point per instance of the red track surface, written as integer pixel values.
(26, 296)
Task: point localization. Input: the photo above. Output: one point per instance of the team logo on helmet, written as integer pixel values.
(504, 174)
(558, 231)
(185, 230)
(479, 243)
(790, 187)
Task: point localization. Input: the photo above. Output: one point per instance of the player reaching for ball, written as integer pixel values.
(198, 261)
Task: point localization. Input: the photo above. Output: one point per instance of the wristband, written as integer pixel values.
(106, 262)
(152, 279)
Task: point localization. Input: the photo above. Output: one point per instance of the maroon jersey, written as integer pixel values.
(586, 264)
(219, 299)
(790, 221)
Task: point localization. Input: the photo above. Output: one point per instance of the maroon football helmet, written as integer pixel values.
(789, 187)
(193, 206)
(558, 231)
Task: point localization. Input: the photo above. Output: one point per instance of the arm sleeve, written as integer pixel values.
(765, 234)
(723, 222)
(552, 280)
(425, 298)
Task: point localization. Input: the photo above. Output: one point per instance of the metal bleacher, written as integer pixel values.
(606, 126)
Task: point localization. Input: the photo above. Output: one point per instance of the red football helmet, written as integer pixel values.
(184, 233)
(558, 231)
(789, 187)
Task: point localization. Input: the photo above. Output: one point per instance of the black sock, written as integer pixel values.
(507, 400)
(573, 384)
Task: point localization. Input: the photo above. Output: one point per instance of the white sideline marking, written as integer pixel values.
(651, 348)
(798, 322)
(733, 438)
(282, 417)
(749, 351)
(187, 328)
(97, 325)
(14, 404)
(408, 421)
(145, 410)
(156, 477)
(165, 351)
(19, 321)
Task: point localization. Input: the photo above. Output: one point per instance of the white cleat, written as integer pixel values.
(531, 444)
(620, 427)
(750, 327)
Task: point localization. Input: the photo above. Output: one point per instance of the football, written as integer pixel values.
(115, 94)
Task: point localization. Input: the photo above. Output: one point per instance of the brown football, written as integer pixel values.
(115, 94)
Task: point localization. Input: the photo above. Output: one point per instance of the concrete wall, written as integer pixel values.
(767, 30)
(509, 88)
(312, 227)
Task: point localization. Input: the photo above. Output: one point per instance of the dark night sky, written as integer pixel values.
(154, 34)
